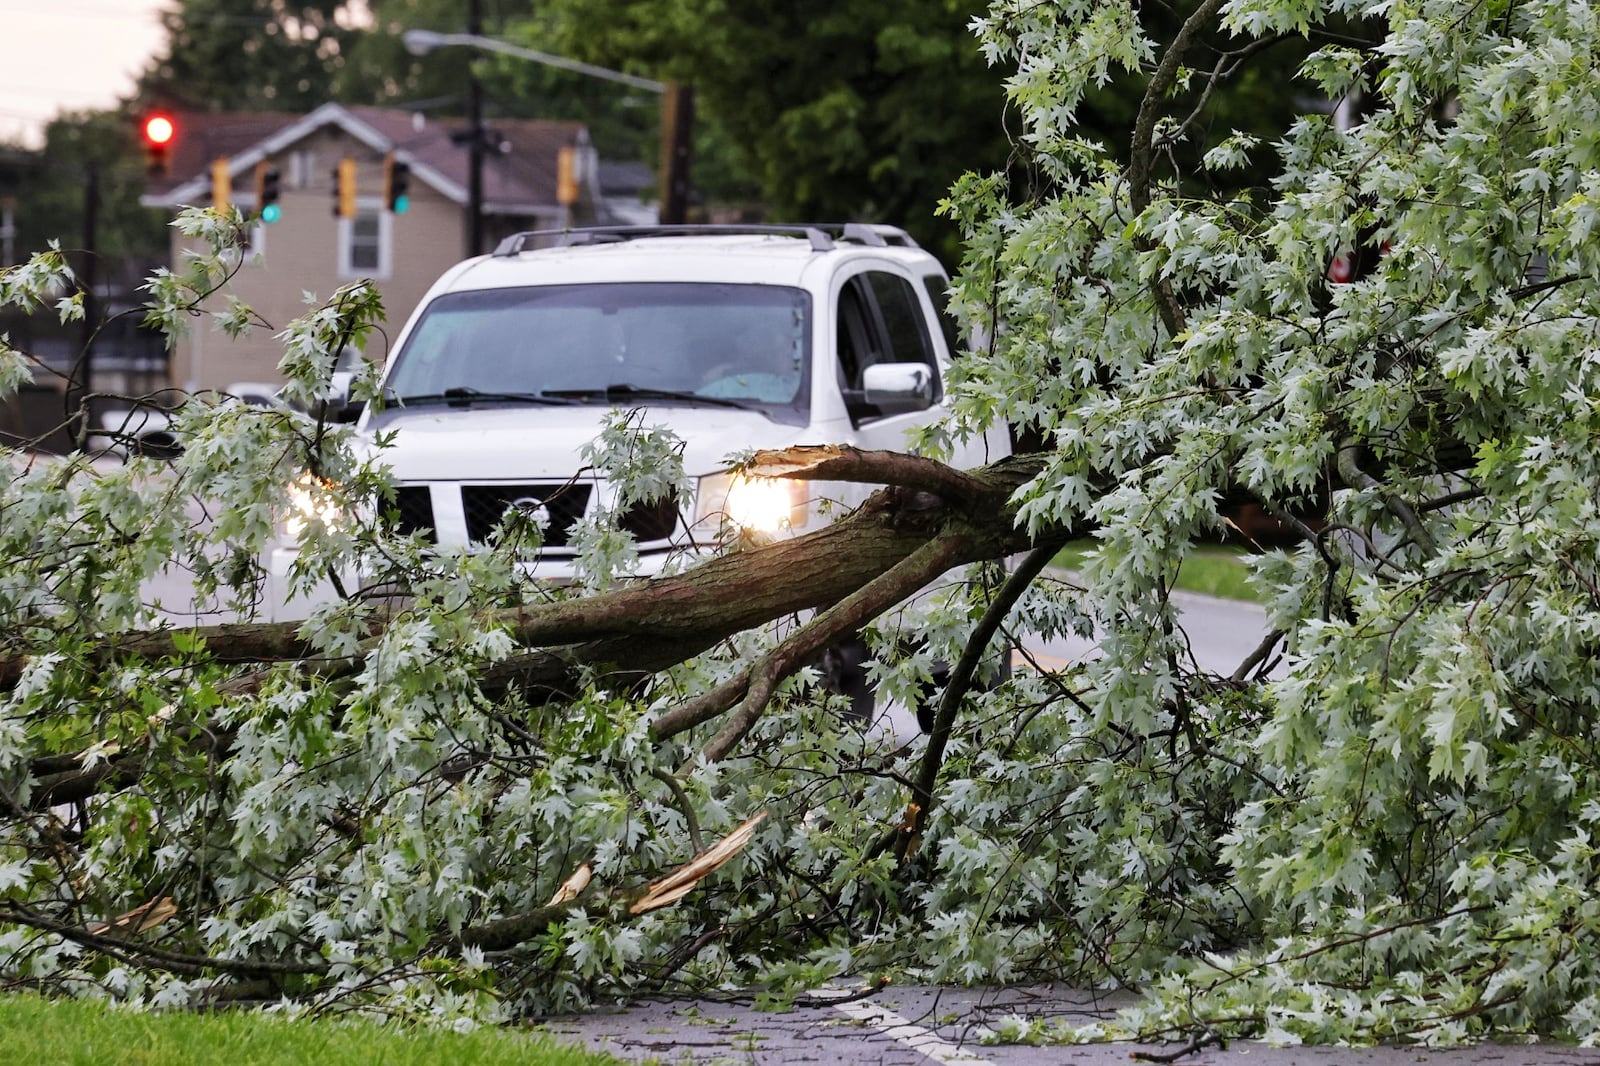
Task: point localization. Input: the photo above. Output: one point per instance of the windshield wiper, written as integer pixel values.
(617, 393)
(465, 396)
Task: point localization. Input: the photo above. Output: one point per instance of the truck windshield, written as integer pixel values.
(664, 342)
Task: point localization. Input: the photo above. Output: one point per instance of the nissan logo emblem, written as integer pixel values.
(530, 508)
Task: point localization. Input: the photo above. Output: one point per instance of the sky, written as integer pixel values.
(70, 55)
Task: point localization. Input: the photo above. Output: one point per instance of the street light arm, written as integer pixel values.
(420, 42)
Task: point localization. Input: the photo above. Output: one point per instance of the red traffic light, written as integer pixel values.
(158, 129)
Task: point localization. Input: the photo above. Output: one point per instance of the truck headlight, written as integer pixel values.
(759, 505)
(310, 500)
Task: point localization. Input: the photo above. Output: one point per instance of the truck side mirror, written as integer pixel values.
(898, 387)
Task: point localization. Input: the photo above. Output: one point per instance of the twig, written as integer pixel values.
(684, 806)
(961, 674)
(1143, 151)
(852, 997)
(1350, 470)
(866, 603)
(159, 958)
(1199, 1043)
(1257, 657)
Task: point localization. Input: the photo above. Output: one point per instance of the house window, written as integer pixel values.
(256, 247)
(366, 244)
(300, 163)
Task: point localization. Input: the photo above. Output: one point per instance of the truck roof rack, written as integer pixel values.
(822, 235)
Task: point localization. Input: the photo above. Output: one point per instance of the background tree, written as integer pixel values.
(255, 55)
(52, 185)
(489, 798)
(831, 110)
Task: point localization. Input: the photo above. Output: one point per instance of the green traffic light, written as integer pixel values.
(271, 213)
(401, 203)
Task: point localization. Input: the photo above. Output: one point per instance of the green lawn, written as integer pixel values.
(1212, 569)
(33, 1030)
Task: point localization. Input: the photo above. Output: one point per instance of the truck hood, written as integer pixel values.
(525, 443)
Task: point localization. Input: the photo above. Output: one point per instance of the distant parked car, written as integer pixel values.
(145, 428)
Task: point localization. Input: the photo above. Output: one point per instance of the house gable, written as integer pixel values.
(309, 249)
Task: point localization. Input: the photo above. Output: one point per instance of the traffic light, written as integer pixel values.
(157, 131)
(396, 180)
(344, 188)
(267, 191)
(221, 185)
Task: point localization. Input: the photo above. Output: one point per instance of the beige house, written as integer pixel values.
(309, 249)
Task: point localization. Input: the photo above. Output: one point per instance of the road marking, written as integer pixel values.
(923, 1041)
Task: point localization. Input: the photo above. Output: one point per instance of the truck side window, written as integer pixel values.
(939, 292)
(856, 348)
(905, 327)
(880, 321)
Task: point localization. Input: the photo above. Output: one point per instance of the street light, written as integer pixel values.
(421, 42)
(676, 116)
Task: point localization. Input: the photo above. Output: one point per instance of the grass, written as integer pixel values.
(1210, 569)
(82, 1033)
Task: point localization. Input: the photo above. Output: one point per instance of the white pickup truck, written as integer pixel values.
(735, 337)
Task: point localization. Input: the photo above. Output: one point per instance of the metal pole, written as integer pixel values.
(475, 146)
(8, 229)
(82, 376)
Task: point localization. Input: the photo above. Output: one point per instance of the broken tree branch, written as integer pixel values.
(903, 581)
(501, 934)
(1141, 160)
(922, 794)
(843, 463)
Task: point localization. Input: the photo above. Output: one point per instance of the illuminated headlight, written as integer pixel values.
(750, 505)
(310, 500)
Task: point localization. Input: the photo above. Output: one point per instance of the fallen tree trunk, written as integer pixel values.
(930, 519)
(648, 625)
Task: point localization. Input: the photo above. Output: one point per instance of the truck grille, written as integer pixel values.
(652, 520)
(413, 510)
(485, 505)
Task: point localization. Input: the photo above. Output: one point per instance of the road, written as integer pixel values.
(1221, 633)
(923, 1026)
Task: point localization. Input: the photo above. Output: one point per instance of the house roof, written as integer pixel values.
(517, 180)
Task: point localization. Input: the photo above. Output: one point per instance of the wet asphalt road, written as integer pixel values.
(924, 1026)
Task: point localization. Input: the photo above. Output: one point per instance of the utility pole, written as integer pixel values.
(474, 146)
(677, 124)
